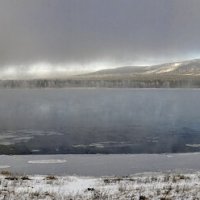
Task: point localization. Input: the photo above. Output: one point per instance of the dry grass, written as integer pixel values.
(50, 177)
(6, 173)
(138, 187)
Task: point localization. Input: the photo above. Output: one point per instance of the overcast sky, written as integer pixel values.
(94, 34)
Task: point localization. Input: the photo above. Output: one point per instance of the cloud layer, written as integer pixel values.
(77, 34)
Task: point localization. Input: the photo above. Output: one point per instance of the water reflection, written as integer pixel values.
(100, 120)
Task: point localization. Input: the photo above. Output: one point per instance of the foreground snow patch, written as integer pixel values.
(144, 186)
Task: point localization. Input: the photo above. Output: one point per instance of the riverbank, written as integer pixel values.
(163, 186)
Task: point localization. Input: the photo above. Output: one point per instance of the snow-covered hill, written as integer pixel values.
(191, 67)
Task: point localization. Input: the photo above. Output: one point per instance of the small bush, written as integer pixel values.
(24, 178)
(11, 178)
(143, 198)
(6, 173)
(51, 178)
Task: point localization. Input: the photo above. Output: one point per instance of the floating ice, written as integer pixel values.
(4, 166)
(51, 161)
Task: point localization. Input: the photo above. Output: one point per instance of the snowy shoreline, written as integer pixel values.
(145, 186)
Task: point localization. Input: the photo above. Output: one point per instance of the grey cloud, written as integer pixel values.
(65, 31)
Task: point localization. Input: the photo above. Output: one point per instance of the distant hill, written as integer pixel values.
(184, 74)
(191, 67)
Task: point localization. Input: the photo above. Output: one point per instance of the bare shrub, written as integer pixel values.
(6, 173)
(50, 177)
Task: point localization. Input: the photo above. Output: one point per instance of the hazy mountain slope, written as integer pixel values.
(184, 74)
(121, 70)
(191, 67)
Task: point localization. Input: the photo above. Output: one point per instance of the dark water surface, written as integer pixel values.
(101, 165)
(99, 120)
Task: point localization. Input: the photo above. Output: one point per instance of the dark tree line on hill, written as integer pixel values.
(106, 83)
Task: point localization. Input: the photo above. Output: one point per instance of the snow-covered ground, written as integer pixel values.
(140, 186)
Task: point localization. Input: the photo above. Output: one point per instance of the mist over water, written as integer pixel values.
(100, 120)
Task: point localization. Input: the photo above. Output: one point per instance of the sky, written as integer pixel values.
(39, 37)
